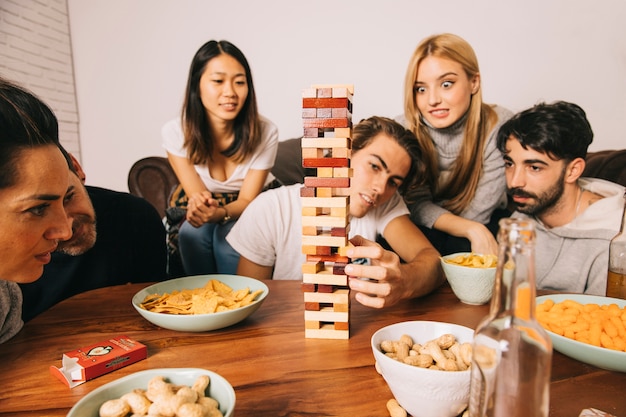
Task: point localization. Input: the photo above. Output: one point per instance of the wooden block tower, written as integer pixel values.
(326, 145)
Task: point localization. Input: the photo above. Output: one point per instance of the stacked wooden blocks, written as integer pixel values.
(326, 145)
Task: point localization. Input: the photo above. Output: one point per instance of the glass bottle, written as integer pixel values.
(512, 356)
(616, 278)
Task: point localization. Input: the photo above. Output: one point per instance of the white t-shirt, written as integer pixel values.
(263, 158)
(269, 232)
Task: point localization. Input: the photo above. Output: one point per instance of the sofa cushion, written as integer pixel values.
(608, 165)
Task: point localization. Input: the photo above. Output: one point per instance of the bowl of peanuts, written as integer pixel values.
(471, 276)
(588, 328)
(176, 392)
(426, 366)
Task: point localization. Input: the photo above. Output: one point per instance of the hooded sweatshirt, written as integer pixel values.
(575, 257)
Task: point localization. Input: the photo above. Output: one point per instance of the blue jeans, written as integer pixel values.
(204, 249)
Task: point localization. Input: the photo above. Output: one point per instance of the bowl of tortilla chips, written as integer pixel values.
(200, 303)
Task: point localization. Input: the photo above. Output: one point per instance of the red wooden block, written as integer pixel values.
(340, 122)
(316, 250)
(311, 306)
(325, 162)
(324, 288)
(313, 132)
(339, 231)
(339, 268)
(339, 325)
(326, 182)
(328, 103)
(307, 287)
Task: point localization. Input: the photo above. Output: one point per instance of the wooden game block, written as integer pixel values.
(324, 91)
(326, 182)
(310, 230)
(309, 306)
(307, 192)
(324, 192)
(341, 153)
(311, 113)
(339, 268)
(324, 239)
(338, 113)
(325, 277)
(326, 143)
(343, 91)
(331, 122)
(325, 314)
(312, 267)
(309, 286)
(313, 132)
(339, 211)
(309, 92)
(341, 192)
(342, 307)
(343, 132)
(340, 325)
(325, 221)
(341, 296)
(312, 211)
(325, 103)
(308, 162)
(343, 251)
(312, 325)
(342, 172)
(325, 288)
(340, 231)
(335, 258)
(327, 332)
(325, 202)
(312, 153)
(324, 113)
(337, 88)
(316, 250)
(325, 172)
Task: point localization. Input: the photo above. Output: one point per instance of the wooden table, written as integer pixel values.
(275, 371)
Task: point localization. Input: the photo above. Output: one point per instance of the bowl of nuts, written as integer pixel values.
(426, 365)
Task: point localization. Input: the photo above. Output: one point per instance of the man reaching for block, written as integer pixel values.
(386, 164)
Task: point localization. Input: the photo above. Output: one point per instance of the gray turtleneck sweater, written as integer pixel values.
(10, 310)
(491, 190)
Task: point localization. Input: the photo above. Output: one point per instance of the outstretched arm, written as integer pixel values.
(387, 280)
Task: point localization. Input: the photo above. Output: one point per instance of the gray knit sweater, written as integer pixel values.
(10, 310)
(491, 191)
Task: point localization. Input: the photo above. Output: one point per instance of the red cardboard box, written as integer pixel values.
(89, 362)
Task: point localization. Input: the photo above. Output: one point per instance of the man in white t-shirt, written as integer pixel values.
(386, 162)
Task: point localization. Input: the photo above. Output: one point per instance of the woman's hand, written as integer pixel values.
(202, 208)
(482, 240)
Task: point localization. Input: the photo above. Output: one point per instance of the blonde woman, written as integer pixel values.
(443, 106)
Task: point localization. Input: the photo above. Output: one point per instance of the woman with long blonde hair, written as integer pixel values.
(443, 106)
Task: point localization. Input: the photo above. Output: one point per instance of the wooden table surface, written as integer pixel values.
(274, 369)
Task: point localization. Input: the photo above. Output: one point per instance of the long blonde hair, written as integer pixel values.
(460, 187)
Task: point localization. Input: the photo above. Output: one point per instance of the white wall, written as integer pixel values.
(131, 60)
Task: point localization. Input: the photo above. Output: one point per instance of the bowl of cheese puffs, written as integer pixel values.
(200, 303)
(471, 276)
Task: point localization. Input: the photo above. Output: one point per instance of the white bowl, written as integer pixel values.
(471, 285)
(424, 392)
(219, 389)
(200, 322)
(604, 358)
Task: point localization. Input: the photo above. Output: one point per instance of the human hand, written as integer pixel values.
(379, 284)
(482, 240)
(201, 208)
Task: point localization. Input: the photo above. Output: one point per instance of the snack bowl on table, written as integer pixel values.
(219, 389)
(612, 360)
(471, 284)
(201, 322)
(420, 391)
